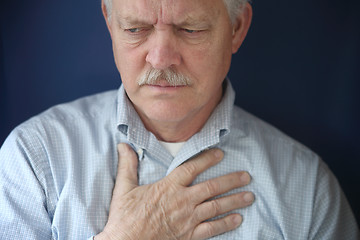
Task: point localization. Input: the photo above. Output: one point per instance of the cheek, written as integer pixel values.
(209, 62)
(130, 64)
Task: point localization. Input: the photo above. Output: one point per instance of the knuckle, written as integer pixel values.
(197, 217)
(230, 222)
(123, 167)
(215, 207)
(189, 169)
(227, 224)
(161, 188)
(210, 229)
(213, 187)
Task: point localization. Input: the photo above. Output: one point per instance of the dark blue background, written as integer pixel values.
(299, 69)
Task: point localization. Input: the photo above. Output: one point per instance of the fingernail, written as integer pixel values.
(237, 220)
(249, 197)
(245, 177)
(218, 153)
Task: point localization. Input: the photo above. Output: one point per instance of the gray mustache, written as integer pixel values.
(153, 76)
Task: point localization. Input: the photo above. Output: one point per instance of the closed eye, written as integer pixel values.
(190, 30)
(133, 30)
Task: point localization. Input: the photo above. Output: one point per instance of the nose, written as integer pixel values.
(163, 52)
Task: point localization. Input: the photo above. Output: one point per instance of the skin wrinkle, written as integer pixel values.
(201, 22)
(175, 231)
(180, 204)
(162, 205)
(171, 233)
(150, 23)
(234, 7)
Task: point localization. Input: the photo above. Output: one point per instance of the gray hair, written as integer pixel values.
(234, 7)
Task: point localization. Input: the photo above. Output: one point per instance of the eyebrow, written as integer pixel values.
(126, 22)
(198, 20)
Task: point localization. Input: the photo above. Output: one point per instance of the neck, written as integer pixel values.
(178, 131)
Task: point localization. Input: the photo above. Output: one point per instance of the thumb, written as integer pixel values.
(126, 178)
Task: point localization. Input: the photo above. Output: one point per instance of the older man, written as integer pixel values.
(58, 169)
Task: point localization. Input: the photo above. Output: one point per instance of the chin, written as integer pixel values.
(168, 113)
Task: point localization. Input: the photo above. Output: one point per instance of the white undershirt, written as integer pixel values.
(173, 148)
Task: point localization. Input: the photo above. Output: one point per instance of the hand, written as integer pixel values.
(169, 209)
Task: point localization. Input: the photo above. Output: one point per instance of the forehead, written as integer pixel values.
(168, 11)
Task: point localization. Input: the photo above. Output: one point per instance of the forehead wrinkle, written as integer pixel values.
(190, 19)
(131, 19)
(137, 11)
(168, 12)
(185, 14)
(175, 12)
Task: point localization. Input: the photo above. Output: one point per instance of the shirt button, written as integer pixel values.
(140, 153)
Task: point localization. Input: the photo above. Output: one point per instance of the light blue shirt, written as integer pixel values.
(58, 171)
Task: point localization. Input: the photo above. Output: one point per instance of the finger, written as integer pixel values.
(220, 185)
(187, 172)
(223, 205)
(126, 178)
(209, 229)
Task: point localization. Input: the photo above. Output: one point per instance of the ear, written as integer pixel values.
(105, 14)
(241, 27)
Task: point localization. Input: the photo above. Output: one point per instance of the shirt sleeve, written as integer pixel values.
(24, 212)
(332, 216)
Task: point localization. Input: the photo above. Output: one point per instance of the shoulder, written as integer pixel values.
(278, 163)
(262, 136)
(290, 181)
(61, 134)
(77, 112)
(62, 125)
(89, 106)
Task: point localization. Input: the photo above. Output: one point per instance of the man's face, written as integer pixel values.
(191, 37)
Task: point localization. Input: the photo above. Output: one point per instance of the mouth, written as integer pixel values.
(163, 88)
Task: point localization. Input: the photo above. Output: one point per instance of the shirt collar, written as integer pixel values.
(220, 120)
(129, 122)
